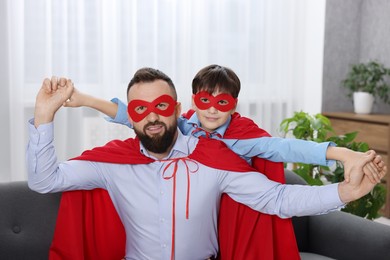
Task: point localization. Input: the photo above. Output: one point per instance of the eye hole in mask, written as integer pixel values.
(223, 102)
(163, 105)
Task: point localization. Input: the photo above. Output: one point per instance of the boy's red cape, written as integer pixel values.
(243, 232)
(88, 226)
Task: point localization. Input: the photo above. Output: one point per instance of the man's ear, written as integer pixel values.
(130, 120)
(178, 109)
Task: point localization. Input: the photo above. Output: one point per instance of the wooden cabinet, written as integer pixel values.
(372, 129)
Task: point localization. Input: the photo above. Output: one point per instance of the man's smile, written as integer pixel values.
(154, 129)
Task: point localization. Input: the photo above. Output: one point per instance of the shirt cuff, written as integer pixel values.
(329, 162)
(330, 198)
(41, 135)
(121, 114)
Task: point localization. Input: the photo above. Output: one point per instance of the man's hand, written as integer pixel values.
(50, 98)
(360, 184)
(371, 169)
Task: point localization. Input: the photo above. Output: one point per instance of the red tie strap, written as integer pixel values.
(174, 162)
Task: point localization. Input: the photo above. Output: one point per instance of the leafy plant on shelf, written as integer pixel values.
(371, 77)
(318, 128)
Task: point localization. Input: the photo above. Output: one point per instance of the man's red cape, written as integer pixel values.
(88, 226)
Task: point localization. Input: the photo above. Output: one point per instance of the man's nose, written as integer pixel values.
(152, 117)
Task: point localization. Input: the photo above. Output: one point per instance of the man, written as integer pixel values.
(243, 232)
(168, 196)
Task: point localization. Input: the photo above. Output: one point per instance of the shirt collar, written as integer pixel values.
(220, 130)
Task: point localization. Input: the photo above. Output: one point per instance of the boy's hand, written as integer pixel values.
(50, 98)
(78, 99)
(372, 169)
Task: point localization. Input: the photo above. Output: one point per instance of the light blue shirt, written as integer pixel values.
(271, 148)
(143, 197)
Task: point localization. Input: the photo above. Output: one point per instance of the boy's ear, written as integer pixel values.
(233, 110)
(235, 107)
(193, 106)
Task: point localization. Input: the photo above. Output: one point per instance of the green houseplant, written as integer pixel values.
(318, 128)
(367, 81)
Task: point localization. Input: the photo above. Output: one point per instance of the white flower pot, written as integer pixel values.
(362, 102)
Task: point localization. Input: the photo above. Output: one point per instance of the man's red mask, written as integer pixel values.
(223, 102)
(163, 105)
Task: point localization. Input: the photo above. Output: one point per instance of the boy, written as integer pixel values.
(215, 91)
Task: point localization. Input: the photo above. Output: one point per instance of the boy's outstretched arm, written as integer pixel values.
(79, 99)
(303, 151)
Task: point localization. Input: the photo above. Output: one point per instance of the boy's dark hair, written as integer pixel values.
(216, 77)
(150, 75)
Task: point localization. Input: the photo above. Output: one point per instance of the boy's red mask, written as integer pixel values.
(167, 108)
(203, 100)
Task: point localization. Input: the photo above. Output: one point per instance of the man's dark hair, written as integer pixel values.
(150, 75)
(216, 77)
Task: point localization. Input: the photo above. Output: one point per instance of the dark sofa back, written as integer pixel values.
(27, 221)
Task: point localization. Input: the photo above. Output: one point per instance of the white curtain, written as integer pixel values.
(275, 47)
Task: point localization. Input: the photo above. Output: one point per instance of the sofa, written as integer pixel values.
(27, 222)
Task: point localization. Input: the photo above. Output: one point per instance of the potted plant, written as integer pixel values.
(318, 128)
(366, 82)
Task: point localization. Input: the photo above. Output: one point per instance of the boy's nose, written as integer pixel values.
(212, 110)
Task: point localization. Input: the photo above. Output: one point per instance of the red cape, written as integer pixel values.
(243, 232)
(88, 226)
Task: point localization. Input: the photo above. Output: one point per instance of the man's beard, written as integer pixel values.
(157, 143)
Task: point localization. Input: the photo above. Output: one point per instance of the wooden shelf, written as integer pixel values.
(374, 129)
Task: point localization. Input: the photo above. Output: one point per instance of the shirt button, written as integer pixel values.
(162, 220)
(161, 192)
(164, 245)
